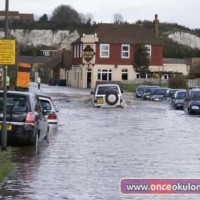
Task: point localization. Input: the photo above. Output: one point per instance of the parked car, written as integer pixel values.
(139, 91)
(158, 94)
(178, 99)
(50, 110)
(192, 101)
(107, 95)
(170, 93)
(26, 123)
(148, 91)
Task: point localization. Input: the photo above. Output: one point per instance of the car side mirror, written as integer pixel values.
(91, 92)
(122, 91)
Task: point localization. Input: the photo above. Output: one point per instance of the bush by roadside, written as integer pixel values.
(6, 165)
(178, 81)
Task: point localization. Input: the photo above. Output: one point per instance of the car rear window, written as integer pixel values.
(15, 103)
(106, 89)
(46, 105)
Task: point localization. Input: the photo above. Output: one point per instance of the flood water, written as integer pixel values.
(94, 149)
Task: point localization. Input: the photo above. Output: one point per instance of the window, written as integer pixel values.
(104, 74)
(138, 76)
(148, 50)
(74, 51)
(104, 50)
(81, 50)
(78, 51)
(46, 53)
(124, 74)
(125, 51)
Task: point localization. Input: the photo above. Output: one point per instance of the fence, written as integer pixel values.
(191, 82)
(145, 81)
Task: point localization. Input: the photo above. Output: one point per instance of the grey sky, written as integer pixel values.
(183, 12)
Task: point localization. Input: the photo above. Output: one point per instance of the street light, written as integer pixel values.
(4, 123)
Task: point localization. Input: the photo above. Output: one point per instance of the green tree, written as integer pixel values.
(44, 18)
(141, 59)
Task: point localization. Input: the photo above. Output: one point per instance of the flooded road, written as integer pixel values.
(94, 149)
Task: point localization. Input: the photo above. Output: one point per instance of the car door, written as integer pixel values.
(42, 120)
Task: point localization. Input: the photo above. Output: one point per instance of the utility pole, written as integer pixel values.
(4, 123)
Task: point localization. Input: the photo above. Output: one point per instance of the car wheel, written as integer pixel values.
(111, 98)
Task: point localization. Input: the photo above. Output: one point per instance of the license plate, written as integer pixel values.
(9, 127)
(100, 100)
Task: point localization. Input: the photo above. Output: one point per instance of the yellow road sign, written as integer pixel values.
(7, 52)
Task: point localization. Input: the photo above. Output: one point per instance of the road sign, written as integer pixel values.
(23, 79)
(7, 52)
(23, 75)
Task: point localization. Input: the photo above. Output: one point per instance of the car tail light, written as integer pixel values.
(30, 118)
(52, 116)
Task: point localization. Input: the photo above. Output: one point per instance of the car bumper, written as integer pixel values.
(179, 106)
(194, 111)
(20, 135)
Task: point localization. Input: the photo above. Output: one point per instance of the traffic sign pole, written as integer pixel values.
(4, 123)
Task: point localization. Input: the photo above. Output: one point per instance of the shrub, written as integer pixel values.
(178, 81)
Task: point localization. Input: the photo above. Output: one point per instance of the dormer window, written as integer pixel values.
(104, 50)
(125, 51)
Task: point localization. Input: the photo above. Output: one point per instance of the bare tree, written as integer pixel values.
(65, 15)
(118, 18)
(87, 18)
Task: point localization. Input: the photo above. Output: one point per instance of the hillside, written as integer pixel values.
(178, 41)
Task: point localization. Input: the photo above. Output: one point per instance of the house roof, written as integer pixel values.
(32, 59)
(123, 33)
(175, 61)
(63, 58)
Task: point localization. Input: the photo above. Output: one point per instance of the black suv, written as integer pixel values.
(26, 123)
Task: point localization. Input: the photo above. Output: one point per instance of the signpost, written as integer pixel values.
(7, 57)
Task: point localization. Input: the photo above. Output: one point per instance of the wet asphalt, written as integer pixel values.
(93, 149)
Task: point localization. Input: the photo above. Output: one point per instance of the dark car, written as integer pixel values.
(139, 91)
(26, 123)
(148, 91)
(170, 93)
(192, 102)
(178, 99)
(158, 94)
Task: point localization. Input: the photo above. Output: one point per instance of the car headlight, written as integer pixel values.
(195, 107)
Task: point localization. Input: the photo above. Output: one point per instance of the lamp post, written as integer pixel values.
(4, 123)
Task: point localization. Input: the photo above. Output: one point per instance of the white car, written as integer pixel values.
(50, 109)
(107, 95)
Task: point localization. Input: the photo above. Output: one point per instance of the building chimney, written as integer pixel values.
(156, 25)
